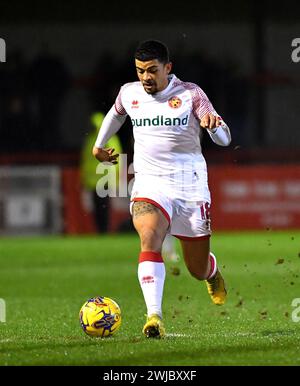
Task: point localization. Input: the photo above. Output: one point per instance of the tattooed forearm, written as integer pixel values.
(140, 208)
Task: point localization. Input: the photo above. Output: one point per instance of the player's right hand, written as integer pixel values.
(105, 155)
(210, 121)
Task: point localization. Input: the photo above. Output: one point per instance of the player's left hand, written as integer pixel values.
(210, 121)
(105, 155)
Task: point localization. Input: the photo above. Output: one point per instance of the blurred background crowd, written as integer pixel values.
(35, 93)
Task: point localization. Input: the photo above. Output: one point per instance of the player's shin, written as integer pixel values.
(151, 274)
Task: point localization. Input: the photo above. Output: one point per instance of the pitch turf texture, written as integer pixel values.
(44, 282)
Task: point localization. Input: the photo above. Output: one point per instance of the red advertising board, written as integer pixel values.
(243, 197)
(255, 197)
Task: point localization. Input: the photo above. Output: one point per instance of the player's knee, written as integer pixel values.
(150, 239)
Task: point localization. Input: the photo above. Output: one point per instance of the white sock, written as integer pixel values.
(151, 274)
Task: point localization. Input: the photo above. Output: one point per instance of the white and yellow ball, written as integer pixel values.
(100, 317)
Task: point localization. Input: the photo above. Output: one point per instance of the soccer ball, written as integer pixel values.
(100, 317)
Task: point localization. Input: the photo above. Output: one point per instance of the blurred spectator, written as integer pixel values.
(107, 77)
(49, 82)
(102, 90)
(98, 206)
(236, 105)
(15, 125)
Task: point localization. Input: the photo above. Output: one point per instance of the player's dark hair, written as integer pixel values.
(152, 49)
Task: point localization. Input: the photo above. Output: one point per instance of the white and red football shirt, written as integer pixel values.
(167, 135)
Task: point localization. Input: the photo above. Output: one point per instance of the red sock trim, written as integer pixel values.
(150, 256)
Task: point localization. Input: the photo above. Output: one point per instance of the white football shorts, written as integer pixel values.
(187, 219)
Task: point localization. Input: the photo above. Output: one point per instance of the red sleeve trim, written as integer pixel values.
(119, 106)
(119, 112)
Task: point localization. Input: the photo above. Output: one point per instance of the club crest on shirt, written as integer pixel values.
(175, 102)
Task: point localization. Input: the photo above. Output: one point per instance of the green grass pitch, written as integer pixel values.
(45, 281)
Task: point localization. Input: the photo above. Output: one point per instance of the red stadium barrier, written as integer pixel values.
(243, 197)
(77, 220)
(259, 196)
(255, 197)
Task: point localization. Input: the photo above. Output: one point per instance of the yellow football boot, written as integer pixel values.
(154, 327)
(216, 289)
